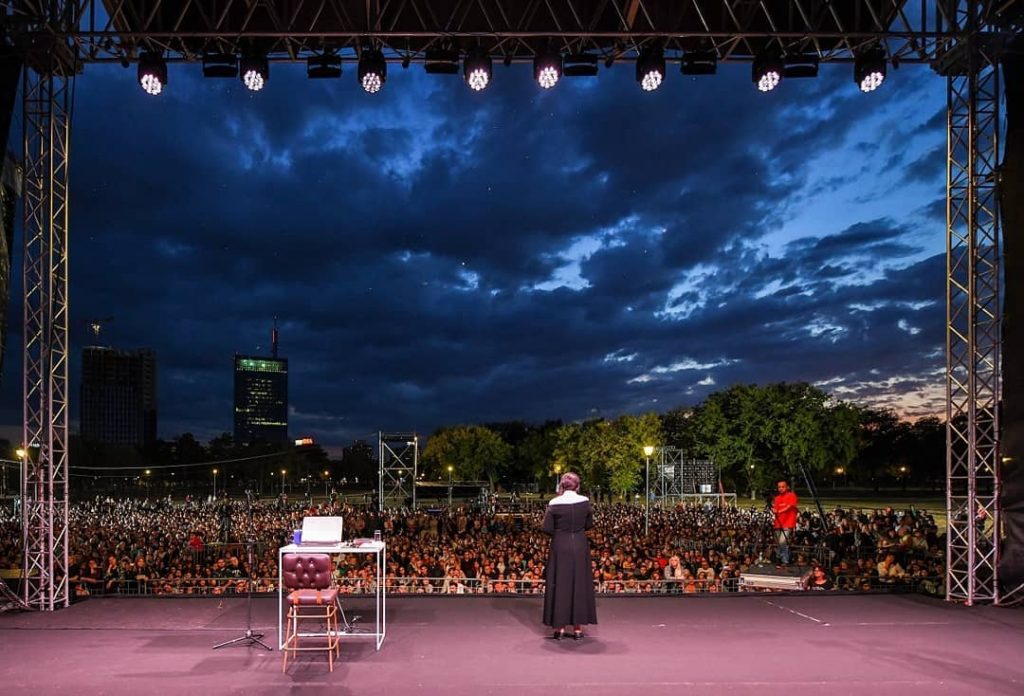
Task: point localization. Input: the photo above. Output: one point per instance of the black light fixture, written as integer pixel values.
(322, 67)
(699, 63)
(220, 65)
(152, 73)
(869, 70)
(373, 71)
(650, 69)
(438, 62)
(767, 72)
(547, 69)
(802, 65)
(579, 65)
(254, 71)
(476, 69)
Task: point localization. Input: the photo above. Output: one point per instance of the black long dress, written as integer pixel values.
(569, 592)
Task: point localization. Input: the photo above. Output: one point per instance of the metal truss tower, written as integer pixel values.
(958, 37)
(47, 90)
(973, 313)
(668, 478)
(399, 461)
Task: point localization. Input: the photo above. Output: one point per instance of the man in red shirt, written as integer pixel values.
(784, 507)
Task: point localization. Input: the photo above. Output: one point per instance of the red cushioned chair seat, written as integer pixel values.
(312, 598)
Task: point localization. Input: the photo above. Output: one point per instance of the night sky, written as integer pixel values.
(438, 256)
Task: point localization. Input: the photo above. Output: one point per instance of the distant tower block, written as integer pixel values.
(399, 459)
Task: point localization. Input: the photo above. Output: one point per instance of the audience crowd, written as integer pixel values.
(163, 547)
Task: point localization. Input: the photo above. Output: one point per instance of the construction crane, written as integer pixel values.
(96, 325)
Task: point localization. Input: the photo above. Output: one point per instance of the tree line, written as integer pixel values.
(755, 434)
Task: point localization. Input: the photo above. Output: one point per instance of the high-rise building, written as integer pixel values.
(118, 400)
(261, 397)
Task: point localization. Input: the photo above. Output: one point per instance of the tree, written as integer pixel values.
(473, 452)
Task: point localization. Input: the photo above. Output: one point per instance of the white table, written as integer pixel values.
(378, 548)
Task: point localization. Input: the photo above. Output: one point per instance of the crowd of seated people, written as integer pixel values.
(129, 546)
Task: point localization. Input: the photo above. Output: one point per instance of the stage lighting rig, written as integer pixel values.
(441, 62)
(322, 67)
(220, 65)
(476, 69)
(869, 70)
(699, 63)
(801, 65)
(547, 69)
(650, 69)
(373, 71)
(255, 71)
(152, 73)
(767, 72)
(579, 65)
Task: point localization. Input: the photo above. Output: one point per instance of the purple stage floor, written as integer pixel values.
(756, 644)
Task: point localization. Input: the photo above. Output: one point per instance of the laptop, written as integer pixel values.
(321, 531)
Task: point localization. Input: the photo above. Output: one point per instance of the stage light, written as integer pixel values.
(323, 67)
(650, 69)
(800, 66)
(152, 73)
(767, 72)
(547, 69)
(441, 63)
(255, 71)
(373, 71)
(476, 69)
(220, 65)
(579, 65)
(699, 63)
(869, 70)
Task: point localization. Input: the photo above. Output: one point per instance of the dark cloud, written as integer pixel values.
(437, 256)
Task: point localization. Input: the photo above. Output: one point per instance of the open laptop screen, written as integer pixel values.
(321, 530)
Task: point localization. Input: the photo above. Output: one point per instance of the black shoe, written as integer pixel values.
(557, 635)
(577, 635)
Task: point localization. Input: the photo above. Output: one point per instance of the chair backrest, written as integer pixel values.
(306, 571)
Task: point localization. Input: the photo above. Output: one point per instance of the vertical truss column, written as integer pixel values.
(399, 459)
(44, 485)
(973, 319)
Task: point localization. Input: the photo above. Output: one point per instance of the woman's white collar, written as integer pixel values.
(568, 498)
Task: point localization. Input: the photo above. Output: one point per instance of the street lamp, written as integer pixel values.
(283, 472)
(648, 451)
(450, 470)
(145, 478)
(327, 482)
(214, 484)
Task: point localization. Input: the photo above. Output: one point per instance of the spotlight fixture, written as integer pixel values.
(220, 65)
(547, 69)
(322, 67)
(800, 66)
(152, 73)
(699, 63)
(373, 71)
(869, 70)
(255, 71)
(579, 65)
(767, 72)
(476, 69)
(441, 62)
(650, 69)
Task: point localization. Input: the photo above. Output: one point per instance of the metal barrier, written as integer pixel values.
(396, 585)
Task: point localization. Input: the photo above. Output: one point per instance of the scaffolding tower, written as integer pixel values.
(399, 461)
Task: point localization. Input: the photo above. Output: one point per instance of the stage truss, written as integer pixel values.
(399, 463)
(678, 479)
(962, 40)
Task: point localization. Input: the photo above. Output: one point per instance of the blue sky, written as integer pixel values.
(438, 256)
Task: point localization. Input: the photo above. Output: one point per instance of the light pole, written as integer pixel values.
(214, 484)
(648, 451)
(146, 479)
(283, 473)
(450, 470)
(327, 483)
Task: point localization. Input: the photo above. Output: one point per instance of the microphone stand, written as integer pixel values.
(250, 637)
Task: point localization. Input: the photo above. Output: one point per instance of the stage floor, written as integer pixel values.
(755, 644)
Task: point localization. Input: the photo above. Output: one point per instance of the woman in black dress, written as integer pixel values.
(569, 592)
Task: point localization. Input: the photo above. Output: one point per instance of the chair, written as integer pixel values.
(310, 596)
